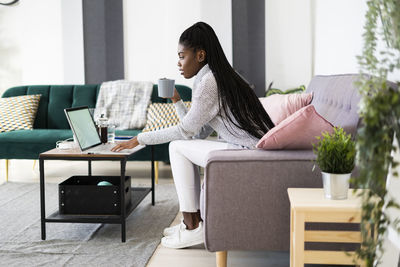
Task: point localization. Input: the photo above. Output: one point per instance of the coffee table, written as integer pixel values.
(138, 193)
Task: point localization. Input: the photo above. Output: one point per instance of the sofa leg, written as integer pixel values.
(222, 258)
(34, 164)
(156, 171)
(7, 170)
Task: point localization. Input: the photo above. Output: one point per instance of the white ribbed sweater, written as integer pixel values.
(201, 119)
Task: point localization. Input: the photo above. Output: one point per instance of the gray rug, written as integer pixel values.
(78, 244)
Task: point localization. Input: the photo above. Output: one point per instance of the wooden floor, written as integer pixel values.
(198, 256)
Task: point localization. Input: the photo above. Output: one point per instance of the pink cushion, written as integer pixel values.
(298, 131)
(279, 107)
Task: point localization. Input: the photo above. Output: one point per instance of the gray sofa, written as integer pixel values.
(244, 199)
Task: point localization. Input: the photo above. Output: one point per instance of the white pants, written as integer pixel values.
(185, 157)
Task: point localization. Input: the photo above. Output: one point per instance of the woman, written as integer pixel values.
(221, 101)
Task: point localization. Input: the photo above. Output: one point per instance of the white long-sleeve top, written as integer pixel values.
(201, 119)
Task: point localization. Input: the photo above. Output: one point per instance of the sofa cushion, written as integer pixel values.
(298, 131)
(162, 115)
(279, 107)
(28, 144)
(17, 113)
(85, 95)
(336, 99)
(60, 97)
(36, 136)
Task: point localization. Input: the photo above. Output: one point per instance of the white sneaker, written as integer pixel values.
(184, 238)
(171, 230)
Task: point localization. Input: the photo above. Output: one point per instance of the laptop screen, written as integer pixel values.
(83, 126)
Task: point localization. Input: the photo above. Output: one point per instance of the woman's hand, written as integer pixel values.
(176, 97)
(126, 145)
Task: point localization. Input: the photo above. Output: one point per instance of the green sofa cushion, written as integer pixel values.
(36, 136)
(28, 144)
(59, 99)
(41, 115)
(85, 95)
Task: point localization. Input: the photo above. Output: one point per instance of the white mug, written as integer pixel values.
(166, 88)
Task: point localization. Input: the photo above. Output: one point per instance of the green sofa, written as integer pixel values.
(51, 124)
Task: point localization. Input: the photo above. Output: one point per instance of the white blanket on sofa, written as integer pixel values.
(124, 103)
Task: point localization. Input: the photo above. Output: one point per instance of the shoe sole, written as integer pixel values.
(189, 244)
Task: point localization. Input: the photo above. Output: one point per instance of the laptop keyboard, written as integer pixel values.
(104, 147)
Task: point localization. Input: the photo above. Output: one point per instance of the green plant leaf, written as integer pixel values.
(335, 152)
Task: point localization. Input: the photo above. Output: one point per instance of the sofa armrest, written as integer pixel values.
(259, 154)
(244, 202)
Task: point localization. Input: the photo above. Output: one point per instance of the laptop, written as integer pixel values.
(84, 129)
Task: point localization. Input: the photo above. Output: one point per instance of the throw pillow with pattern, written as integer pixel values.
(162, 115)
(18, 113)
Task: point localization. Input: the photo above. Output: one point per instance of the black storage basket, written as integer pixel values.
(80, 195)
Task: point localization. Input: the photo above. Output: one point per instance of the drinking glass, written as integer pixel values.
(111, 133)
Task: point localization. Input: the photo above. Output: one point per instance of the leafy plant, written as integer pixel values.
(380, 113)
(335, 152)
(272, 91)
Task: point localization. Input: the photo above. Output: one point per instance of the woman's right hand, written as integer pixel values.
(176, 97)
(126, 145)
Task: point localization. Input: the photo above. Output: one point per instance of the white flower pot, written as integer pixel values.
(336, 186)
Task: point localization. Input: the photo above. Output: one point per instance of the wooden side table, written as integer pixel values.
(310, 205)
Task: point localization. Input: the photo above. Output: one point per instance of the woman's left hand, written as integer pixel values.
(126, 145)
(176, 97)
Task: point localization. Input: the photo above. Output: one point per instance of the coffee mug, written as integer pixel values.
(166, 88)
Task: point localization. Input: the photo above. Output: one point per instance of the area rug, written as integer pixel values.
(70, 244)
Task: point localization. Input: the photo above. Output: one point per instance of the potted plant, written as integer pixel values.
(335, 157)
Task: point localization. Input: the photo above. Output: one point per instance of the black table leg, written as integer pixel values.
(90, 167)
(152, 176)
(122, 192)
(42, 200)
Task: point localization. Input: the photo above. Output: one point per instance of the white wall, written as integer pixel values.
(32, 30)
(152, 29)
(338, 35)
(10, 51)
(41, 43)
(72, 42)
(288, 43)
(313, 37)
(42, 40)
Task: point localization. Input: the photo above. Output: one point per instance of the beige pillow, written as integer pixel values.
(18, 113)
(162, 115)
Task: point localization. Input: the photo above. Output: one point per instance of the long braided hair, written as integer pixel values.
(235, 96)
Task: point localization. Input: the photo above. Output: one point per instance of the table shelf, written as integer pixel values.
(138, 194)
